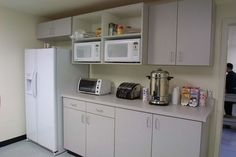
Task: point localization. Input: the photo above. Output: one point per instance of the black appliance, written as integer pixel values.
(127, 90)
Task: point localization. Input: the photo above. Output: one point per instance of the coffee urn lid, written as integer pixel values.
(159, 73)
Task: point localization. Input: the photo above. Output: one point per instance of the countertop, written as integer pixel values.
(199, 113)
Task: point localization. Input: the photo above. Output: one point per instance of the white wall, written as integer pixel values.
(17, 32)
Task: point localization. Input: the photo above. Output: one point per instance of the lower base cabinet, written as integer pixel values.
(141, 134)
(133, 134)
(93, 130)
(100, 136)
(74, 131)
(175, 137)
(88, 134)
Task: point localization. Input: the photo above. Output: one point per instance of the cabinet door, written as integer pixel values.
(194, 32)
(74, 131)
(175, 137)
(133, 132)
(56, 28)
(162, 33)
(100, 136)
(44, 30)
(62, 27)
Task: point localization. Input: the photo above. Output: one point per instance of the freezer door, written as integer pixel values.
(30, 99)
(46, 104)
(31, 118)
(30, 71)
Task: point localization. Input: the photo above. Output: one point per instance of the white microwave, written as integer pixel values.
(125, 50)
(87, 51)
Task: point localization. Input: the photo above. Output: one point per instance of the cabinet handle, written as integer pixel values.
(172, 56)
(157, 124)
(149, 122)
(87, 120)
(82, 118)
(74, 105)
(180, 56)
(99, 110)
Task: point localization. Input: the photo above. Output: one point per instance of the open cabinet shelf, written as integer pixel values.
(123, 36)
(133, 18)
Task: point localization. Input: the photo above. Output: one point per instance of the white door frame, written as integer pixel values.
(222, 69)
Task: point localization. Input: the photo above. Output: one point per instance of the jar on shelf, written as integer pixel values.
(120, 29)
(111, 29)
(98, 32)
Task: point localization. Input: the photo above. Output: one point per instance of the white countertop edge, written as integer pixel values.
(199, 113)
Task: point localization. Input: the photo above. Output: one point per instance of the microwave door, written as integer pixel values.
(122, 51)
(83, 53)
(87, 52)
(117, 52)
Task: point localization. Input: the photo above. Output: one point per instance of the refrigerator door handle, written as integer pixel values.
(34, 81)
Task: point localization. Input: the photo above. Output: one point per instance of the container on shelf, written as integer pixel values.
(120, 29)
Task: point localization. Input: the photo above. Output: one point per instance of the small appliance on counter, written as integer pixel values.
(128, 90)
(159, 87)
(94, 86)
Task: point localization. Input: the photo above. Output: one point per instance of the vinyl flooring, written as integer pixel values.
(228, 143)
(27, 149)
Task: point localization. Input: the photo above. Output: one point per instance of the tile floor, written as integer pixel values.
(228, 143)
(27, 149)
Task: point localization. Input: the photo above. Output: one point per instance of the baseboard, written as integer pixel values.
(13, 140)
(74, 154)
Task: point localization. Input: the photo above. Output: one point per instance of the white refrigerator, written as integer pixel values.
(48, 74)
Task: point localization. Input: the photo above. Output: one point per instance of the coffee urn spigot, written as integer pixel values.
(159, 87)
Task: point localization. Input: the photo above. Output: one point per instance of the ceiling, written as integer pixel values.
(63, 8)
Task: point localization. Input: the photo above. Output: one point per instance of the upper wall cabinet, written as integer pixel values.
(55, 30)
(110, 36)
(180, 32)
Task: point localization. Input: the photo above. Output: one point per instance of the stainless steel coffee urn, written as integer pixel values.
(159, 87)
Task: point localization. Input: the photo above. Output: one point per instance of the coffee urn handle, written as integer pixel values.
(169, 78)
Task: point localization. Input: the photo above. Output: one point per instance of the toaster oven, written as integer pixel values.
(94, 86)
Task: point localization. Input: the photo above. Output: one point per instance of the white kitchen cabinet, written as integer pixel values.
(56, 29)
(133, 133)
(74, 127)
(175, 137)
(162, 33)
(74, 131)
(88, 132)
(100, 136)
(194, 32)
(189, 43)
(97, 130)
